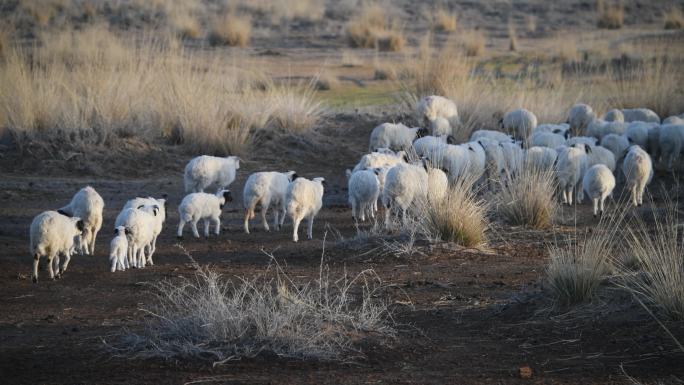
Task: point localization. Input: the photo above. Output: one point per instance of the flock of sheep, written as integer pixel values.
(404, 167)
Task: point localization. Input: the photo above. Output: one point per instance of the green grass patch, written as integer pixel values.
(352, 96)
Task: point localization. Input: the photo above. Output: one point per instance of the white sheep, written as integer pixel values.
(53, 234)
(304, 200)
(595, 128)
(159, 219)
(478, 160)
(394, 136)
(560, 129)
(579, 117)
(118, 249)
(640, 115)
(431, 144)
(653, 143)
(202, 206)
(438, 185)
(269, 190)
(598, 183)
(364, 190)
(495, 164)
(674, 120)
(540, 158)
(617, 128)
(671, 143)
(141, 223)
(638, 170)
(598, 155)
(496, 136)
(204, 171)
(570, 168)
(380, 159)
(617, 144)
(581, 140)
(406, 187)
(88, 205)
(637, 132)
(440, 126)
(513, 155)
(432, 107)
(614, 115)
(547, 139)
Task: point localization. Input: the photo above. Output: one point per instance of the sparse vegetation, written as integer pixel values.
(527, 198)
(473, 42)
(444, 21)
(512, 38)
(371, 28)
(610, 16)
(674, 18)
(231, 30)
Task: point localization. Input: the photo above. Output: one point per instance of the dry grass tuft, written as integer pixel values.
(459, 217)
(210, 318)
(527, 198)
(371, 28)
(674, 19)
(295, 109)
(186, 26)
(473, 42)
(566, 49)
(326, 81)
(513, 39)
(444, 21)
(231, 30)
(384, 71)
(530, 23)
(610, 16)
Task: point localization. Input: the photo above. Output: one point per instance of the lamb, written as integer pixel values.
(638, 170)
(617, 144)
(581, 140)
(141, 223)
(547, 139)
(204, 171)
(496, 136)
(641, 115)
(614, 115)
(118, 249)
(160, 219)
(520, 123)
(394, 136)
(598, 183)
(267, 189)
(540, 158)
(432, 107)
(364, 189)
(206, 207)
(53, 234)
(88, 205)
(304, 200)
(570, 167)
(560, 129)
(440, 126)
(405, 187)
(637, 132)
(378, 159)
(579, 117)
(671, 143)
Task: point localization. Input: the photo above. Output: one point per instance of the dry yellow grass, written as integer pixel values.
(186, 26)
(531, 23)
(473, 42)
(610, 16)
(674, 19)
(444, 21)
(527, 198)
(566, 48)
(512, 38)
(232, 30)
(371, 28)
(285, 10)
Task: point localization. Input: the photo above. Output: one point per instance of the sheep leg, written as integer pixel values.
(114, 261)
(282, 216)
(634, 195)
(295, 226)
(264, 210)
(65, 265)
(149, 255)
(206, 227)
(193, 224)
(36, 258)
(309, 233)
(96, 228)
(603, 202)
(387, 218)
(180, 229)
(248, 214)
(55, 266)
(353, 205)
(49, 267)
(596, 203)
(276, 218)
(217, 223)
(141, 257)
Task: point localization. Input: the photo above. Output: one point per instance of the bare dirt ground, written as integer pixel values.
(464, 315)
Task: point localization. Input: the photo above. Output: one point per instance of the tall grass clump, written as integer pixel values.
(444, 21)
(527, 198)
(657, 246)
(210, 318)
(459, 217)
(295, 108)
(674, 19)
(371, 28)
(610, 16)
(232, 30)
(473, 42)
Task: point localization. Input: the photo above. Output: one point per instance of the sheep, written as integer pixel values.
(637, 133)
(653, 143)
(671, 143)
(452, 158)
(53, 234)
(598, 155)
(612, 128)
(88, 205)
(118, 248)
(378, 159)
(560, 129)
(614, 115)
(204, 171)
(581, 140)
(579, 117)
(494, 161)
(617, 144)
(547, 139)
(513, 155)
(595, 128)
(394, 136)
(405, 187)
(304, 200)
(142, 223)
(433, 107)
(641, 115)
(364, 189)
(206, 207)
(267, 189)
(440, 126)
(160, 219)
(478, 160)
(638, 170)
(431, 144)
(540, 158)
(570, 167)
(520, 123)
(674, 120)
(496, 136)
(438, 185)
(598, 183)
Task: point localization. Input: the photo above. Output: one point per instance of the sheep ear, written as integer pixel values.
(587, 149)
(567, 134)
(377, 171)
(450, 139)
(348, 173)
(501, 122)
(80, 225)
(127, 231)
(140, 207)
(405, 158)
(165, 196)
(630, 140)
(155, 210)
(116, 231)
(66, 214)
(471, 148)
(294, 177)
(227, 196)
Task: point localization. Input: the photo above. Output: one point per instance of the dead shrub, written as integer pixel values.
(610, 16)
(231, 30)
(674, 19)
